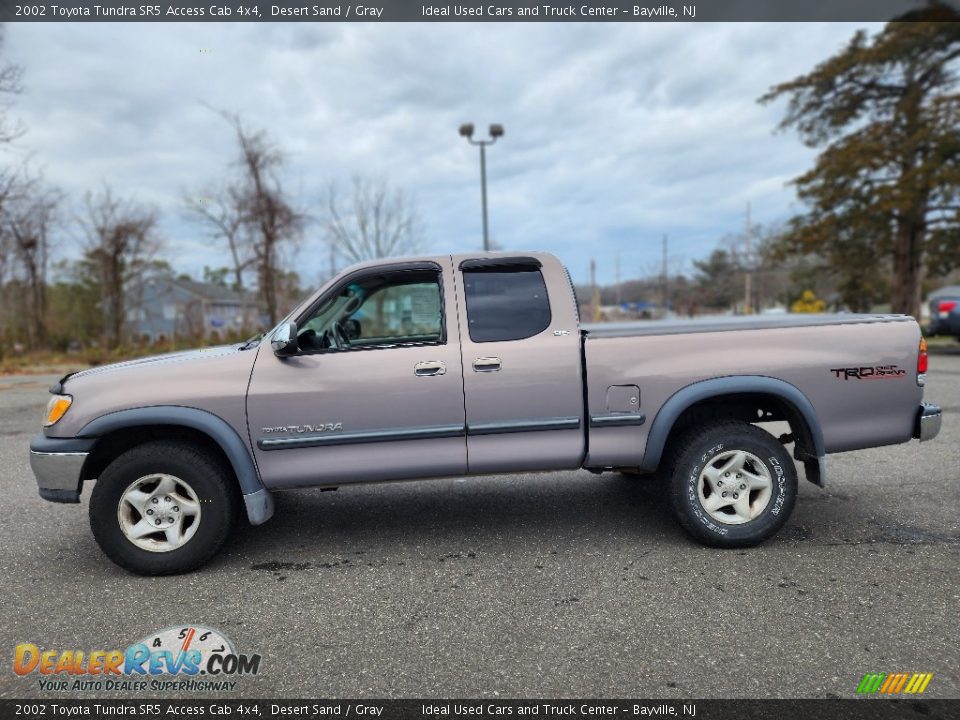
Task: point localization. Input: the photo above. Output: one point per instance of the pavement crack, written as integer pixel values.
(276, 566)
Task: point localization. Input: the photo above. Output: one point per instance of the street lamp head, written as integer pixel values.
(496, 130)
(466, 130)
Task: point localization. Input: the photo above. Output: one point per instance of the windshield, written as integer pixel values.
(335, 309)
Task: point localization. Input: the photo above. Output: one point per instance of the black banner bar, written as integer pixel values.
(845, 709)
(462, 11)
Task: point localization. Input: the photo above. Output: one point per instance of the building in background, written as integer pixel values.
(165, 307)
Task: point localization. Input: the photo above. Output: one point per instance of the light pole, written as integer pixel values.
(496, 131)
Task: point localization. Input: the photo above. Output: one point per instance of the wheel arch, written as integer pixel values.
(118, 431)
(740, 397)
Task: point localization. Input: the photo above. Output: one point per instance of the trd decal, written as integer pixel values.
(880, 372)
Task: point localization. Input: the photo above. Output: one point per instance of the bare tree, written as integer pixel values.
(121, 241)
(10, 130)
(10, 84)
(7, 310)
(253, 213)
(223, 210)
(269, 215)
(8, 190)
(28, 222)
(373, 222)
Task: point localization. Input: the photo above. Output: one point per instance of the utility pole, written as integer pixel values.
(483, 196)
(748, 272)
(618, 279)
(496, 131)
(664, 278)
(595, 294)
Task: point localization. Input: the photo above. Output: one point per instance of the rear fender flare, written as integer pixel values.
(715, 387)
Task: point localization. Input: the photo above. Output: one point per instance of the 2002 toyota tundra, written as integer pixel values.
(462, 364)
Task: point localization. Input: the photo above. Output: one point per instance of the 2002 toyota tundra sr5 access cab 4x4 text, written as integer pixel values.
(432, 367)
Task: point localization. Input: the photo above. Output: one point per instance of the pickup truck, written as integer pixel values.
(403, 369)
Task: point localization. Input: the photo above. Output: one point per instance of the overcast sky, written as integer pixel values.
(615, 134)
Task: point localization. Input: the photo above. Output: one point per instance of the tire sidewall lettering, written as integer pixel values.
(692, 493)
(780, 495)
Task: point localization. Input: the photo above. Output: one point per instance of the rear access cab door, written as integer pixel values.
(522, 371)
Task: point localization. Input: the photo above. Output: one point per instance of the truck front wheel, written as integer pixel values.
(162, 508)
(732, 484)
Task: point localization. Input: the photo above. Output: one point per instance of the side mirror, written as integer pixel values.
(284, 341)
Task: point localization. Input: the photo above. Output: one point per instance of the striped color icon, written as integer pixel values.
(894, 683)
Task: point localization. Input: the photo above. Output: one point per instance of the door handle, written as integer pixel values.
(429, 369)
(486, 364)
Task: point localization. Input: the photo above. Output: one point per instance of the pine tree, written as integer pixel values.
(884, 195)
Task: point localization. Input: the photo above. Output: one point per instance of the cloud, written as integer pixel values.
(615, 134)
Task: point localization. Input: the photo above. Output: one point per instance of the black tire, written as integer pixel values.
(212, 483)
(695, 450)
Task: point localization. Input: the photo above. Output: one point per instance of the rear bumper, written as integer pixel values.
(927, 424)
(57, 465)
(949, 325)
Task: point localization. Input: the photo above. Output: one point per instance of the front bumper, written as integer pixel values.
(57, 464)
(927, 424)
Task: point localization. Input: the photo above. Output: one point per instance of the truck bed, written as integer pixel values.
(684, 326)
(809, 352)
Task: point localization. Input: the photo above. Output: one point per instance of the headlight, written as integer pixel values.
(56, 409)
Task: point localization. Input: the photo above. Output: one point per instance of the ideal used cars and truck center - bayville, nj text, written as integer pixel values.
(430, 367)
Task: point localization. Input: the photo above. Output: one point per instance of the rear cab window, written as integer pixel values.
(505, 302)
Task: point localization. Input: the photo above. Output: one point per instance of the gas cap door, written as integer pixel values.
(623, 398)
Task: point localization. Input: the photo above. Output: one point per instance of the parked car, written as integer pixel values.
(945, 311)
(466, 364)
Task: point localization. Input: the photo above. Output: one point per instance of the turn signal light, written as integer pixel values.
(56, 409)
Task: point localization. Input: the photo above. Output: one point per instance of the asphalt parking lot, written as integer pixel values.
(553, 585)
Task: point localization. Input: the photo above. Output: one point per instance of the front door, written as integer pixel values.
(521, 367)
(375, 392)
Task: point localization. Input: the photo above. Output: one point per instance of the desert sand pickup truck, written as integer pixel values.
(465, 364)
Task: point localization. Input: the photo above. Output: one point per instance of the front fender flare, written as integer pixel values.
(732, 385)
(258, 501)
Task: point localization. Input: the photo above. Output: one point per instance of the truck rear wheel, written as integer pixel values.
(731, 484)
(162, 508)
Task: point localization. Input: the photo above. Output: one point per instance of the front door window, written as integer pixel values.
(378, 311)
